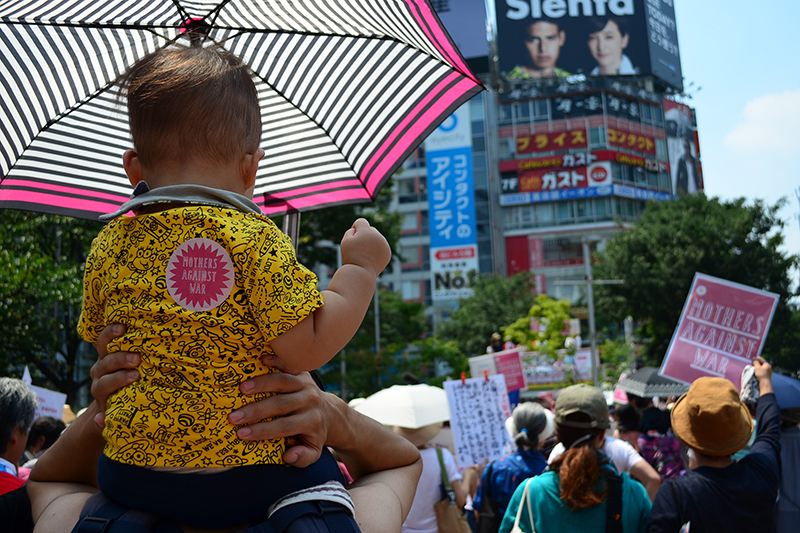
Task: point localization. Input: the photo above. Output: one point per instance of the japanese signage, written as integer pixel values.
(539, 39)
(722, 328)
(506, 362)
(551, 180)
(580, 159)
(665, 57)
(577, 106)
(623, 191)
(451, 207)
(632, 141)
(522, 89)
(683, 148)
(478, 411)
(550, 142)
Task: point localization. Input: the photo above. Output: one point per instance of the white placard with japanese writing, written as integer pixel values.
(478, 411)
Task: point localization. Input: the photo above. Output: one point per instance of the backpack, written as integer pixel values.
(663, 452)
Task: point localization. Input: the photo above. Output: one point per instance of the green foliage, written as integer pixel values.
(672, 240)
(551, 316)
(367, 371)
(41, 288)
(425, 355)
(495, 302)
(616, 357)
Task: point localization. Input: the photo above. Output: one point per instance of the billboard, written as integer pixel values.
(451, 207)
(723, 327)
(558, 38)
(683, 146)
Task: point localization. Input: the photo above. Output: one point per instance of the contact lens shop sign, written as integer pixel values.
(451, 207)
(722, 328)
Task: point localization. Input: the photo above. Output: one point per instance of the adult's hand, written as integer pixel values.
(111, 372)
(299, 409)
(763, 373)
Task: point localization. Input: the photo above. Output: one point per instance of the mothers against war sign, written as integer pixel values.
(722, 328)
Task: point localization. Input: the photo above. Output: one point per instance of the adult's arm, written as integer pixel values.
(647, 476)
(767, 445)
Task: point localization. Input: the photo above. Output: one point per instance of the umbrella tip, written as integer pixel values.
(196, 29)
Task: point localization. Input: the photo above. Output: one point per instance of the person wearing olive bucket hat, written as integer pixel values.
(720, 494)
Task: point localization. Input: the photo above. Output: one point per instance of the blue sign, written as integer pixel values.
(451, 197)
(623, 191)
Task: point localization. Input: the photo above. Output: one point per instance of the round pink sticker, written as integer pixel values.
(199, 275)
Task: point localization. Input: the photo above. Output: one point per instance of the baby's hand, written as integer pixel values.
(364, 246)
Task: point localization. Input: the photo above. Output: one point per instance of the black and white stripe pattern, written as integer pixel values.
(348, 88)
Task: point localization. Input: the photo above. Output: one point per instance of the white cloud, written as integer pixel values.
(768, 123)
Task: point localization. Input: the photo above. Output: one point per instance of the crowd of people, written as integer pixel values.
(189, 431)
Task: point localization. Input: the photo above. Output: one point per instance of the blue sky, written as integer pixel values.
(746, 57)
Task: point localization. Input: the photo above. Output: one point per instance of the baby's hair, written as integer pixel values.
(191, 103)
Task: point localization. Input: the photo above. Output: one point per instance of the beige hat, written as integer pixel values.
(584, 399)
(711, 418)
(419, 436)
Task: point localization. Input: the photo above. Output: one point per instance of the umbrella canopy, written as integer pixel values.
(787, 391)
(348, 89)
(408, 406)
(647, 382)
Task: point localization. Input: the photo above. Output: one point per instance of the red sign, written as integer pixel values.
(722, 328)
(508, 363)
(553, 180)
(549, 142)
(582, 159)
(455, 253)
(632, 141)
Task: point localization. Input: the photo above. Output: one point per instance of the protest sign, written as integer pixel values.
(506, 362)
(722, 328)
(478, 410)
(49, 403)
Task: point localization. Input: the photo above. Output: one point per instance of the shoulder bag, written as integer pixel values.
(449, 518)
(489, 516)
(522, 503)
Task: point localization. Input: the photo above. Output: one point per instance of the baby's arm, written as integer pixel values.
(318, 337)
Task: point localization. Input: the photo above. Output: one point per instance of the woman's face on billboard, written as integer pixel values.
(607, 46)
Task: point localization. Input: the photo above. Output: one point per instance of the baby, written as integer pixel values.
(206, 285)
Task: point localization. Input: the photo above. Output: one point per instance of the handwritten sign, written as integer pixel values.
(722, 328)
(478, 410)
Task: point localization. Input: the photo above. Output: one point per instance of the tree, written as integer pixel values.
(495, 302)
(672, 240)
(367, 371)
(41, 283)
(552, 317)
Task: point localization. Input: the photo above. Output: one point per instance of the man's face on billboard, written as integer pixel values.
(606, 47)
(544, 42)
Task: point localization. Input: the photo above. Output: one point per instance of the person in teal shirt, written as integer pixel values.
(573, 494)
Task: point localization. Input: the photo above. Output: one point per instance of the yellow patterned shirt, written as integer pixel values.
(202, 289)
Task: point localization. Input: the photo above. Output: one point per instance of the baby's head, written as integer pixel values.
(191, 104)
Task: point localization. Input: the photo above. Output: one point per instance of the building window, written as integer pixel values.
(410, 290)
(409, 221)
(597, 137)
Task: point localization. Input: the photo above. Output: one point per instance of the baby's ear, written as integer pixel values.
(249, 168)
(130, 162)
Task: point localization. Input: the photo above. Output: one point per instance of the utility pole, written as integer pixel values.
(590, 282)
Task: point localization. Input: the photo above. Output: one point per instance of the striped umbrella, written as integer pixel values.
(348, 89)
